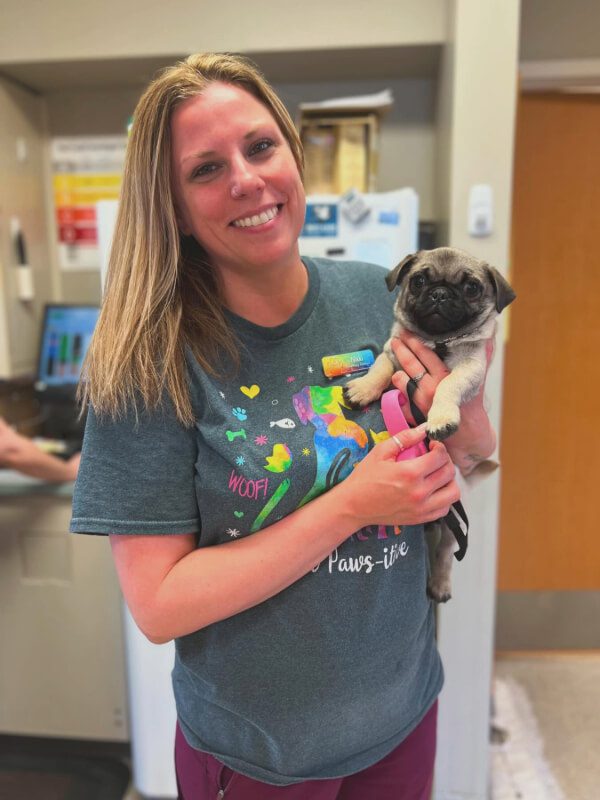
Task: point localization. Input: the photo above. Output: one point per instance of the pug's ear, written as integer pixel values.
(401, 270)
(502, 288)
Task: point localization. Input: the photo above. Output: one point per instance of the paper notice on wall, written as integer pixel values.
(85, 169)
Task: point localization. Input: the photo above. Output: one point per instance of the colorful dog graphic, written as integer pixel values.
(339, 443)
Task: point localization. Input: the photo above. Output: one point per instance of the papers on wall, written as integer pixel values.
(85, 170)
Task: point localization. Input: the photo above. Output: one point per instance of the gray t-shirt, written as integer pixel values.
(328, 676)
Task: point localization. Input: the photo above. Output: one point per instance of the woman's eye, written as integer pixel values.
(261, 147)
(205, 170)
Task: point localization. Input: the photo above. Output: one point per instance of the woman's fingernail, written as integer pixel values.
(402, 399)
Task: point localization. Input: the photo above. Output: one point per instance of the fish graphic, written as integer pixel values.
(284, 423)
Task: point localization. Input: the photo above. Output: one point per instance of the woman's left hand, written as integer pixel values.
(475, 439)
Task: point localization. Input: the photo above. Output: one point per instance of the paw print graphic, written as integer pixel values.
(240, 413)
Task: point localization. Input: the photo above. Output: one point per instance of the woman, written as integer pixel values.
(250, 516)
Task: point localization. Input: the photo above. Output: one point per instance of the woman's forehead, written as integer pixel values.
(219, 103)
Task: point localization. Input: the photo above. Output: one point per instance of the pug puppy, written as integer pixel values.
(451, 301)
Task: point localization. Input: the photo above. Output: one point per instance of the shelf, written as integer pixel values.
(295, 66)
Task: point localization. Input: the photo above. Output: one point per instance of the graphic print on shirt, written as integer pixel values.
(337, 443)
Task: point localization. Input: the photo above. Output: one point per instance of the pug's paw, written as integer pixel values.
(442, 422)
(439, 433)
(439, 589)
(359, 392)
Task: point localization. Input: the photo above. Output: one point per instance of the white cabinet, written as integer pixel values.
(62, 665)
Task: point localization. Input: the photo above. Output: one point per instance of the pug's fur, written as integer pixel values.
(450, 300)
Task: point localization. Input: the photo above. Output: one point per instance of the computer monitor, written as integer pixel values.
(65, 337)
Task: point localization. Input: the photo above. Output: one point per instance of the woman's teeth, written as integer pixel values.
(257, 219)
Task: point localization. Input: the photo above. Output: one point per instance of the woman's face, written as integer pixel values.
(236, 185)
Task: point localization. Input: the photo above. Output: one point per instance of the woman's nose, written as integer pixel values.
(245, 180)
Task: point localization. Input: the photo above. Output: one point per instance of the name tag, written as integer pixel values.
(347, 363)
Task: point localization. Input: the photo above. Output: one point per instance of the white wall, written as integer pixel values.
(477, 115)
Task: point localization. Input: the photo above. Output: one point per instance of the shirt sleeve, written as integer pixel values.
(136, 477)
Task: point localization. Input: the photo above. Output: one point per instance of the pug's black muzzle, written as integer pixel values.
(441, 310)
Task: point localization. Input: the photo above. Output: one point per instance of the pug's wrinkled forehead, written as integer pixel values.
(453, 266)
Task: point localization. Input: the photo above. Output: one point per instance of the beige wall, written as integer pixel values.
(476, 122)
(22, 197)
(559, 29)
(115, 28)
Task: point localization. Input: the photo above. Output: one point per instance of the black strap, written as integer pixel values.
(456, 519)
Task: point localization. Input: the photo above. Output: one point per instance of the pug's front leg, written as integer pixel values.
(359, 392)
(460, 385)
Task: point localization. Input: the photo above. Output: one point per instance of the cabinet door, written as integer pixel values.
(62, 667)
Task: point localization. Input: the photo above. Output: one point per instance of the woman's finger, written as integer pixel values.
(399, 381)
(422, 397)
(431, 362)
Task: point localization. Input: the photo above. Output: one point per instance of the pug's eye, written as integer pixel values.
(472, 288)
(417, 282)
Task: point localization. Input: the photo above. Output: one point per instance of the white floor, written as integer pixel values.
(519, 766)
(549, 704)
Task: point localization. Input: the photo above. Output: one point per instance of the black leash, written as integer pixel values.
(456, 519)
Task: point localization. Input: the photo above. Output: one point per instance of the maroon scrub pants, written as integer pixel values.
(405, 774)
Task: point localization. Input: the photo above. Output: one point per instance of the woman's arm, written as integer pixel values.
(172, 588)
(475, 440)
(22, 454)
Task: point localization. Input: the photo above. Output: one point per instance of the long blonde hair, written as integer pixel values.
(161, 292)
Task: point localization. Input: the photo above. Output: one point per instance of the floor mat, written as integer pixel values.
(38, 777)
(519, 768)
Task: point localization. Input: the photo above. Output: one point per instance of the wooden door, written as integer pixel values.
(550, 453)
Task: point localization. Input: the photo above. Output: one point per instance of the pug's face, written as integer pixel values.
(447, 291)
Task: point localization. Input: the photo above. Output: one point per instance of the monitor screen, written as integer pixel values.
(66, 334)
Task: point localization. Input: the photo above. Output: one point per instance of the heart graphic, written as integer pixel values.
(238, 514)
(250, 391)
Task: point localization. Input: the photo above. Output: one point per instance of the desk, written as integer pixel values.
(62, 662)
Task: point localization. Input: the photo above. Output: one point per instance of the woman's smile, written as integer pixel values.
(258, 218)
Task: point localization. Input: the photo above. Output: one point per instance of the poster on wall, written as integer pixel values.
(85, 169)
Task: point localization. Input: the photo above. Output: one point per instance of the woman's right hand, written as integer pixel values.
(383, 491)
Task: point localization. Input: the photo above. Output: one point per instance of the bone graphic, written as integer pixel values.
(231, 435)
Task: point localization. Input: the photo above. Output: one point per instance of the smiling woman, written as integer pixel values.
(253, 516)
(237, 189)
(162, 291)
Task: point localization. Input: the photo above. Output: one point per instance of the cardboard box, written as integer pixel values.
(341, 142)
(341, 152)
